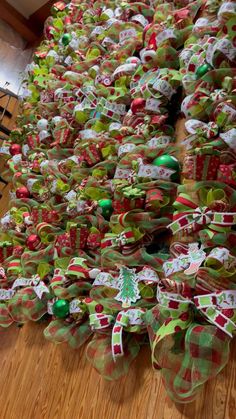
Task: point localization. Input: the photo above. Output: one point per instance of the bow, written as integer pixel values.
(116, 241)
(219, 308)
(188, 353)
(191, 215)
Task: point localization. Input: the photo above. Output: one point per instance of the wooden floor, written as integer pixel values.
(41, 380)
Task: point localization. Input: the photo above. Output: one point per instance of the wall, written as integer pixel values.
(13, 57)
(27, 7)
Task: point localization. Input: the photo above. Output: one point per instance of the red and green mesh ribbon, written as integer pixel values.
(187, 352)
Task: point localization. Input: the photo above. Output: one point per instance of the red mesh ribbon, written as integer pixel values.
(187, 353)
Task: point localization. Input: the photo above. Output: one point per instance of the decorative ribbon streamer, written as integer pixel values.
(131, 317)
(100, 321)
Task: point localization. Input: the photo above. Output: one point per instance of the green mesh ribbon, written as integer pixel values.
(187, 353)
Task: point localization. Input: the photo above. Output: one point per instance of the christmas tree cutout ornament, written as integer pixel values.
(128, 285)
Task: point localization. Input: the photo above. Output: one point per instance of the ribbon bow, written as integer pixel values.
(117, 241)
(190, 214)
(219, 308)
(198, 351)
(202, 215)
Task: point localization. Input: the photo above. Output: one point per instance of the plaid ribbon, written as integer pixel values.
(201, 167)
(91, 154)
(59, 6)
(44, 214)
(74, 333)
(78, 235)
(63, 245)
(187, 353)
(62, 291)
(25, 305)
(99, 354)
(6, 250)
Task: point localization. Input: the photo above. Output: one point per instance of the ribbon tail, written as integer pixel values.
(175, 227)
(117, 343)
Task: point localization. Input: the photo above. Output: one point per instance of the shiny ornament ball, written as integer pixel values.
(33, 242)
(66, 38)
(22, 192)
(170, 162)
(15, 149)
(203, 69)
(57, 119)
(61, 308)
(42, 124)
(138, 105)
(106, 207)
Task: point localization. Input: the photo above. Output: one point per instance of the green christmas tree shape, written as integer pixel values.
(128, 285)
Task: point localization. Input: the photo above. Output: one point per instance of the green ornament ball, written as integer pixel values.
(203, 69)
(106, 207)
(66, 38)
(61, 308)
(170, 162)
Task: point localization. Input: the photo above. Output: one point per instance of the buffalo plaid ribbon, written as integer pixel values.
(188, 353)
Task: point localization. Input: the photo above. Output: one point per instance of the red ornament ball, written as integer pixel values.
(22, 192)
(33, 242)
(15, 149)
(138, 106)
